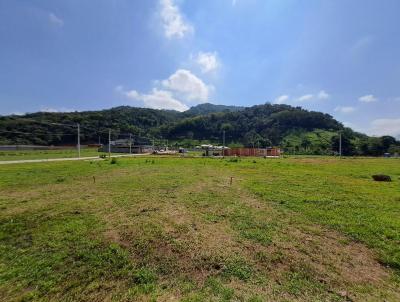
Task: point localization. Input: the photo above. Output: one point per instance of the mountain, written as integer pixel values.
(207, 108)
(293, 128)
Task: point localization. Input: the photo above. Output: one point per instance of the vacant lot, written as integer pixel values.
(181, 229)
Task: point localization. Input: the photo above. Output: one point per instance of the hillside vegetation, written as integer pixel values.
(293, 128)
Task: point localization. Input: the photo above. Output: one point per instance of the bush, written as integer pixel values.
(113, 161)
(381, 177)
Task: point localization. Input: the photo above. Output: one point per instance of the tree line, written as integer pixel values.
(294, 129)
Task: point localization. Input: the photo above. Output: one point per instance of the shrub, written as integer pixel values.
(381, 177)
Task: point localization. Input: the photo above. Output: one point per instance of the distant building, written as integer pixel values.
(268, 152)
(213, 150)
(123, 146)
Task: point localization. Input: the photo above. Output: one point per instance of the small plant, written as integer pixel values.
(113, 161)
(144, 276)
(102, 156)
(60, 179)
(238, 268)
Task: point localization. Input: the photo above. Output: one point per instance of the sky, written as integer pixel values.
(341, 57)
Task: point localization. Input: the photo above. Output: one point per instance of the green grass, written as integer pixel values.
(46, 154)
(156, 229)
(342, 195)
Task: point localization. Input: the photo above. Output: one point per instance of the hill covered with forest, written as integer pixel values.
(295, 129)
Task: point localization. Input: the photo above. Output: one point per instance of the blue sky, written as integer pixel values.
(337, 56)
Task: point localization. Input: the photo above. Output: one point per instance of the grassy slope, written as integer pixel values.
(175, 229)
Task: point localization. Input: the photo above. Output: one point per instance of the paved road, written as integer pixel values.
(23, 161)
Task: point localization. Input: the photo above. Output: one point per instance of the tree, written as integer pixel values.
(348, 147)
(305, 143)
(394, 149)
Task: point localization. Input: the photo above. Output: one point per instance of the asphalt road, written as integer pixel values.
(23, 161)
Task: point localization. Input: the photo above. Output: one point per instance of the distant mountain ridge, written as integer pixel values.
(207, 108)
(293, 128)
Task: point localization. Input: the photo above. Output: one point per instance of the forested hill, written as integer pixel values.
(293, 128)
(208, 108)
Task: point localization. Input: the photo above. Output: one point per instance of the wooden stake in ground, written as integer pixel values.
(230, 183)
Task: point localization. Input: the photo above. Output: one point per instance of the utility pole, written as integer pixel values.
(79, 142)
(130, 143)
(109, 143)
(223, 143)
(340, 144)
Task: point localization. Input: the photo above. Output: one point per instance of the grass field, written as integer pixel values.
(181, 229)
(46, 154)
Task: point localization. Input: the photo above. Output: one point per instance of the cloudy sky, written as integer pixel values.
(337, 56)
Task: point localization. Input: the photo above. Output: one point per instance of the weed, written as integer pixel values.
(60, 179)
(219, 290)
(144, 276)
(237, 267)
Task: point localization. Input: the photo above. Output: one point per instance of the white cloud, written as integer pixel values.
(156, 99)
(55, 20)
(349, 124)
(181, 88)
(361, 43)
(17, 113)
(187, 86)
(208, 61)
(281, 99)
(345, 109)
(48, 109)
(53, 110)
(385, 126)
(174, 24)
(323, 95)
(305, 97)
(369, 98)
